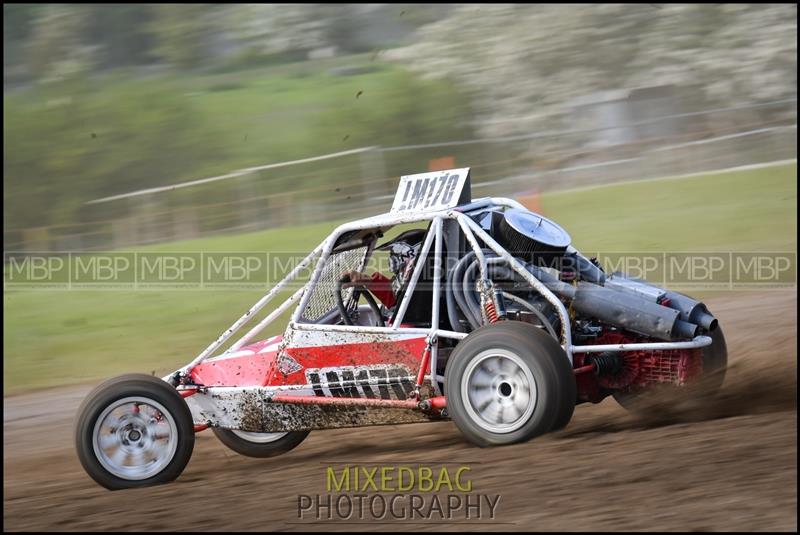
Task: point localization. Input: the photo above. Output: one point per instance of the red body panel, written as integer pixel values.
(251, 367)
(260, 365)
(403, 352)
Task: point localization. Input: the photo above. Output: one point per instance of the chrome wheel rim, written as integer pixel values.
(258, 438)
(135, 438)
(499, 391)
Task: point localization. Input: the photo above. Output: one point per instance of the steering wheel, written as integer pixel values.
(358, 291)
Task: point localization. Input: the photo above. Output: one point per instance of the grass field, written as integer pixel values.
(57, 337)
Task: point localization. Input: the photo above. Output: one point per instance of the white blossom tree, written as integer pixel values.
(523, 62)
(277, 28)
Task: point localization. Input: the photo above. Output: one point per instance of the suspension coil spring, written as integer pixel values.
(491, 312)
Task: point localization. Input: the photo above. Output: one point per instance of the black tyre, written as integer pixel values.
(678, 398)
(508, 382)
(260, 444)
(134, 431)
(715, 361)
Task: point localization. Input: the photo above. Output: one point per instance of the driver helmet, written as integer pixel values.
(402, 252)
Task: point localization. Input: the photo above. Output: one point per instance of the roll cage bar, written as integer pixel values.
(471, 230)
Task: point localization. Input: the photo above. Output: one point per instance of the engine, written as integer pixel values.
(605, 309)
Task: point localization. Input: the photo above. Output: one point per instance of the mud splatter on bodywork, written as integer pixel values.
(251, 410)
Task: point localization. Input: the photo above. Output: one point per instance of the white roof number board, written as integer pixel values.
(430, 192)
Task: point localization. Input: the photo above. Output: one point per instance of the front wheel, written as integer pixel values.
(260, 444)
(134, 431)
(508, 382)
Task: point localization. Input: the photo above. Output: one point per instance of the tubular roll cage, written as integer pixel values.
(471, 231)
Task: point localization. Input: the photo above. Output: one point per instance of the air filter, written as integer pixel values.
(531, 236)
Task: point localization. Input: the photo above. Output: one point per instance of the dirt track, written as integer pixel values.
(730, 466)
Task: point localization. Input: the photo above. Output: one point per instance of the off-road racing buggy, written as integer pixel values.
(502, 326)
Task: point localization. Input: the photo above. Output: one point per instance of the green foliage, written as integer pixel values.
(402, 110)
(251, 58)
(181, 33)
(121, 32)
(65, 147)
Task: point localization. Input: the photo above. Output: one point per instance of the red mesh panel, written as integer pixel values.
(643, 368)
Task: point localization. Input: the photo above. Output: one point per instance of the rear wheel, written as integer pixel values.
(260, 444)
(134, 431)
(508, 382)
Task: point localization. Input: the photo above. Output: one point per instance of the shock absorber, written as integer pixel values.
(496, 306)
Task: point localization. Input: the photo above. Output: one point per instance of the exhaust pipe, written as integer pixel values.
(631, 313)
(691, 310)
(627, 309)
(684, 329)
